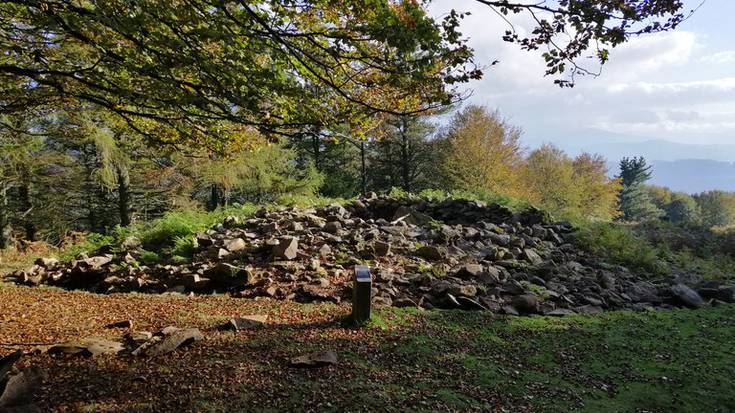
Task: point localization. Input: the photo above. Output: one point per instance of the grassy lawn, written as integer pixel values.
(405, 360)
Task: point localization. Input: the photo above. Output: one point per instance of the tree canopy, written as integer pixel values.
(181, 70)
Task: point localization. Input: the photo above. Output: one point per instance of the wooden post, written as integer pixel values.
(361, 294)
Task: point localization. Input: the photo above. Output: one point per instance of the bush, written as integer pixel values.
(148, 257)
(90, 243)
(620, 245)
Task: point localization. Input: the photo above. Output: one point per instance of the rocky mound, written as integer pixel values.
(448, 254)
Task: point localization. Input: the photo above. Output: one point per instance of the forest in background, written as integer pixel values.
(80, 173)
(121, 118)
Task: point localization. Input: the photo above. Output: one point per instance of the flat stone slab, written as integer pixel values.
(88, 347)
(316, 359)
(172, 339)
(247, 322)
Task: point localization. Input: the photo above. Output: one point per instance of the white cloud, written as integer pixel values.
(656, 51)
(727, 56)
(654, 86)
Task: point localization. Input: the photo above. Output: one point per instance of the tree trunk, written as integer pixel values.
(123, 197)
(26, 205)
(363, 171)
(214, 200)
(405, 161)
(315, 147)
(5, 229)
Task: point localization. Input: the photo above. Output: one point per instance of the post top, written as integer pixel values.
(362, 273)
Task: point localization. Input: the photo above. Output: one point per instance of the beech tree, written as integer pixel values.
(480, 150)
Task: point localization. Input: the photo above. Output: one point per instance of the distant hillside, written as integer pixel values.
(687, 167)
(660, 150)
(690, 175)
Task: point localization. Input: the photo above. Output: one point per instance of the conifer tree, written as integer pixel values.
(635, 201)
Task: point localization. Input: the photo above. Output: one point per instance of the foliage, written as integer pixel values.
(717, 208)
(635, 203)
(621, 245)
(258, 174)
(659, 247)
(165, 231)
(682, 209)
(571, 188)
(193, 71)
(480, 151)
(403, 155)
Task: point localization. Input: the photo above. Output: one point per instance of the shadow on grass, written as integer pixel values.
(675, 361)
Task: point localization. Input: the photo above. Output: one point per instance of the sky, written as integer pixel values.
(677, 86)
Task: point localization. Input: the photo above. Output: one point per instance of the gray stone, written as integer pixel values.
(247, 322)
(333, 227)
(470, 304)
(89, 347)
(532, 256)
(381, 249)
(47, 263)
(560, 312)
(686, 296)
(589, 309)
(227, 274)
(463, 290)
(287, 248)
(726, 294)
(410, 216)
(527, 303)
(431, 253)
(172, 339)
(470, 270)
(316, 359)
(235, 245)
(20, 389)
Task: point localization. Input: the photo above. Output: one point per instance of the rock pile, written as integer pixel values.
(431, 254)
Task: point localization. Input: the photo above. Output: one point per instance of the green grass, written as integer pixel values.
(667, 361)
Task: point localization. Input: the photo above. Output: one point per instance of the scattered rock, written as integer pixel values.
(316, 359)
(247, 322)
(236, 245)
(381, 249)
(20, 390)
(89, 347)
(470, 271)
(121, 324)
(479, 256)
(532, 256)
(172, 339)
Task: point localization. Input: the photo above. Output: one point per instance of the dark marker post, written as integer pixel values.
(361, 292)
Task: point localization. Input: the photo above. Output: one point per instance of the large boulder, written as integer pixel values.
(685, 296)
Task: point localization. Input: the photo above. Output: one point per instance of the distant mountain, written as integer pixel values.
(686, 167)
(690, 175)
(616, 146)
(660, 150)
